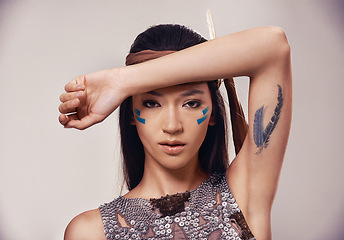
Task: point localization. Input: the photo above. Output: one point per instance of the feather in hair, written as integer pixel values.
(212, 33)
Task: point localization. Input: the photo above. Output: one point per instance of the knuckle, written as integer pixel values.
(79, 79)
(62, 108)
(62, 119)
(69, 105)
(62, 97)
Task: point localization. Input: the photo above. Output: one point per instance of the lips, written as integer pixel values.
(172, 147)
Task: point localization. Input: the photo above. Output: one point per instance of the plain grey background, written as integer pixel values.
(49, 174)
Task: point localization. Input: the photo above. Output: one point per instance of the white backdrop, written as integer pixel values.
(49, 174)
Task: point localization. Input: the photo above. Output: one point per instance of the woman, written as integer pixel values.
(173, 135)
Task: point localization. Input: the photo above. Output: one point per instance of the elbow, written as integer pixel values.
(279, 42)
(275, 48)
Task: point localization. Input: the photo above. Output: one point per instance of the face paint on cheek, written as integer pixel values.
(200, 120)
(205, 110)
(137, 114)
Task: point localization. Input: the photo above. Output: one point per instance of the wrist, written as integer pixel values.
(125, 81)
(131, 80)
(120, 80)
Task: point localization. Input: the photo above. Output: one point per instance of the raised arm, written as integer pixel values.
(253, 175)
(246, 53)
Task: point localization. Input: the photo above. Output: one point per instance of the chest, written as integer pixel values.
(210, 213)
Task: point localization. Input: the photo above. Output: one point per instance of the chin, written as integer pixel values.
(176, 164)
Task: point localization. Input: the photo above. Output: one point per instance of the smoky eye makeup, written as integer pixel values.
(194, 104)
(150, 104)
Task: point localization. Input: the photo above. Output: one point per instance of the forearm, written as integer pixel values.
(245, 53)
(258, 53)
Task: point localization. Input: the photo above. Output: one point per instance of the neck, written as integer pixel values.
(159, 181)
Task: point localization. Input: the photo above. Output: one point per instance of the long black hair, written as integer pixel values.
(213, 154)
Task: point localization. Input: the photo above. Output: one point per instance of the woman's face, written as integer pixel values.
(172, 123)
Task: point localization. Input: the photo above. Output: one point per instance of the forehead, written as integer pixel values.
(182, 89)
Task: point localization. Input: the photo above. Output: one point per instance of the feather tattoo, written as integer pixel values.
(262, 137)
(258, 128)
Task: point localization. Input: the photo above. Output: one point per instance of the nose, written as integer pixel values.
(172, 123)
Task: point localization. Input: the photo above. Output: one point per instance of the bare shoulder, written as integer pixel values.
(86, 226)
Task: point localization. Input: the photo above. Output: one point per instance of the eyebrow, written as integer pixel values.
(154, 93)
(189, 93)
(192, 92)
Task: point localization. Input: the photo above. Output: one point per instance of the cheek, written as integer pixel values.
(196, 134)
(145, 134)
(138, 117)
(198, 124)
(146, 125)
(205, 115)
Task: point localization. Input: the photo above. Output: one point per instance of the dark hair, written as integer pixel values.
(213, 155)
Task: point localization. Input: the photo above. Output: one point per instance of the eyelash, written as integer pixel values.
(147, 103)
(197, 102)
(153, 104)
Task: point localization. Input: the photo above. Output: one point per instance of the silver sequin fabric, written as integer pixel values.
(210, 213)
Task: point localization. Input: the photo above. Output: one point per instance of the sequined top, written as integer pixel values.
(208, 212)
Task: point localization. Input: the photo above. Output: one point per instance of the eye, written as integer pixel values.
(150, 104)
(192, 104)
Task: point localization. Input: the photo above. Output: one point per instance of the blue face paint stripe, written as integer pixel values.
(141, 120)
(137, 111)
(205, 111)
(200, 120)
(137, 114)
